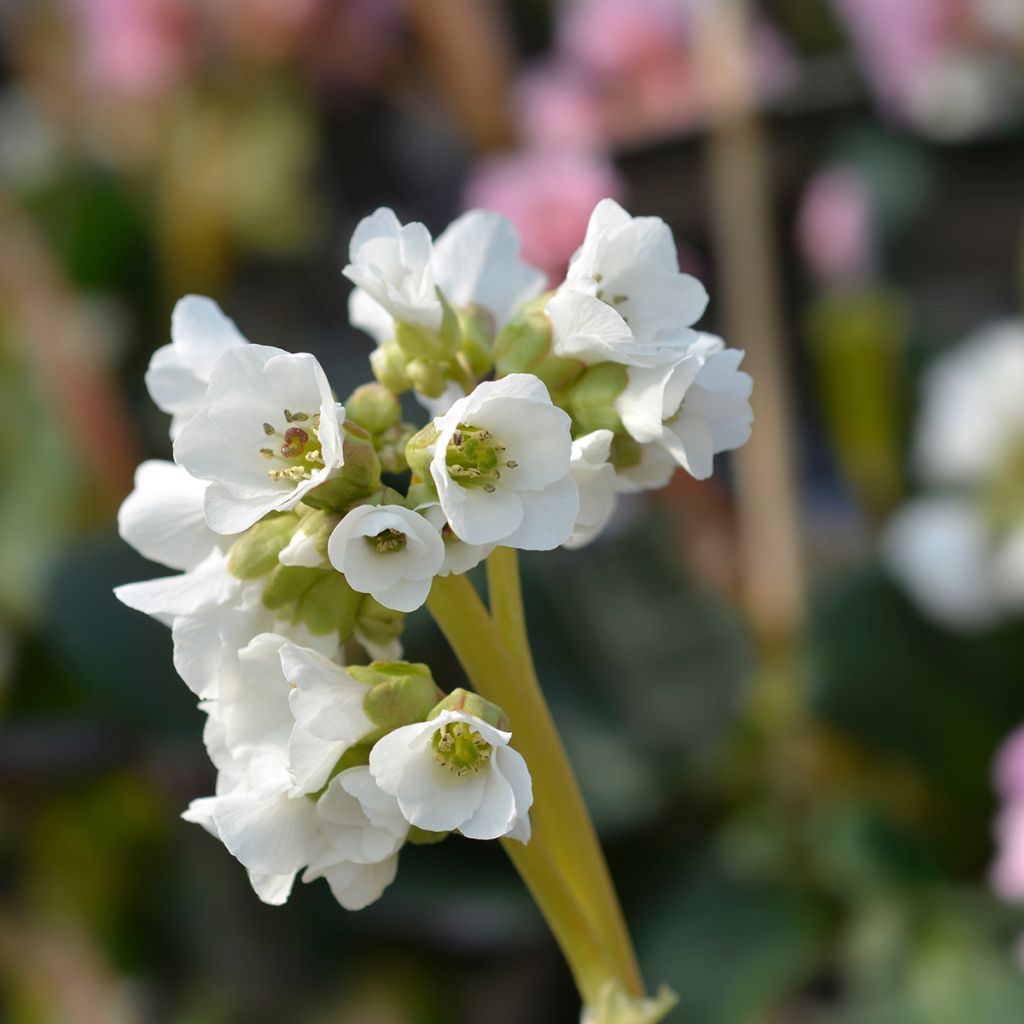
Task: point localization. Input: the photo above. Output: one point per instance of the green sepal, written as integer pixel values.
(427, 376)
(417, 452)
(477, 327)
(417, 836)
(400, 692)
(255, 553)
(359, 476)
(525, 340)
(422, 492)
(592, 398)
(391, 444)
(378, 624)
(387, 361)
(330, 605)
(471, 704)
(625, 452)
(286, 584)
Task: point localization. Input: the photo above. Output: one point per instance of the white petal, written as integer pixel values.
(269, 833)
(497, 811)
(325, 699)
(548, 517)
(272, 889)
(356, 886)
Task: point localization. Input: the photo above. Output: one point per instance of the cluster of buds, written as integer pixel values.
(303, 530)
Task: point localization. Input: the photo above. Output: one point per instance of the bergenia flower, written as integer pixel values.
(388, 552)
(179, 373)
(595, 478)
(163, 517)
(268, 433)
(501, 466)
(694, 408)
(456, 772)
(624, 298)
(397, 270)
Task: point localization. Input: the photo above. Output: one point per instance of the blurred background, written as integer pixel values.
(787, 742)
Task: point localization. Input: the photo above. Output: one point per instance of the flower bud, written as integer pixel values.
(387, 361)
(472, 704)
(374, 407)
(359, 476)
(391, 445)
(524, 346)
(400, 692)
(592, 398)
(321, 598)
(418, 342)
(255, 553)
(377, 624)
(426, 377)
(418, 454)
(477, 326)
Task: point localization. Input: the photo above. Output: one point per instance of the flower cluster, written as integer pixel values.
(960, 549)
(302, 530)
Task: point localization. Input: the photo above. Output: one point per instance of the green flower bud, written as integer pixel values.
(471, 704)
(319, 524)
(387, 361)
(525, 340)
(417, 451)
(427, 377)
(400, 692)
(329, 605)
(477, 327)
(391, 445)
(422, 492)
(377, 624)
(592, 398)
(255, 553)
(287, 584)
(418, 342)
(359, 476)
(374, 407)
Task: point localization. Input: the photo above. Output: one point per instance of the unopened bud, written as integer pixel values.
(400, 692)
(417, 342)
(471, 704)
(426, 376)
(377, 624)
(592, 398)
(374, 407)
(418, 453)
(255, 553)
(524, 341)
(388, 361)
(477, 328)
(320, 598)
(391, 447)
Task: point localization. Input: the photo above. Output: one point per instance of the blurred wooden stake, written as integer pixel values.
(746, 255)
(468, 55)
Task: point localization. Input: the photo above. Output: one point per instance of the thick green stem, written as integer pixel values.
(575, 839)
(559, 814)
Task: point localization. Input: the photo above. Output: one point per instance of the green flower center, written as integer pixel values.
(475, 458)
(460, 749)
(387, 540)
(295, 449)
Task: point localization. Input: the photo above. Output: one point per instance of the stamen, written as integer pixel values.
(267, 453)
(269, 429)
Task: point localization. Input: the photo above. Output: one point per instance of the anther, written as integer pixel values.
(267, 453)
(268, 429)
(512, 464)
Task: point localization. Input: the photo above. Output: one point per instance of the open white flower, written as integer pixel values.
(179, 373)
(624, 298)
(972, 411)
(501, 466)
(163, 517)
(389, 552)
(268, 433)
(456, 772)
(397, 269)
(595, 478)
(693, 408)
(459, 557)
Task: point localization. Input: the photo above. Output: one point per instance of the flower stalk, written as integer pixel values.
(564, 855)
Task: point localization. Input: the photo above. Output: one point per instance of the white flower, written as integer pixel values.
(302, 551)
(179, 372)
(972, 410)
(938, 549)
(595, 478)
(652, 472)
(501, 466)
(459, 557)
(455, 772)
(163, 517)
(388, 552)
(268, 433)
(390, 262)
(694, 408)
(397, 270)
(624, 298)
(213, 615)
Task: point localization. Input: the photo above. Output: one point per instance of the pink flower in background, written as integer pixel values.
(622, 37)
(1007, 874)
(548, 196)
(556, 108)
(134, 48)
(835, 226)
